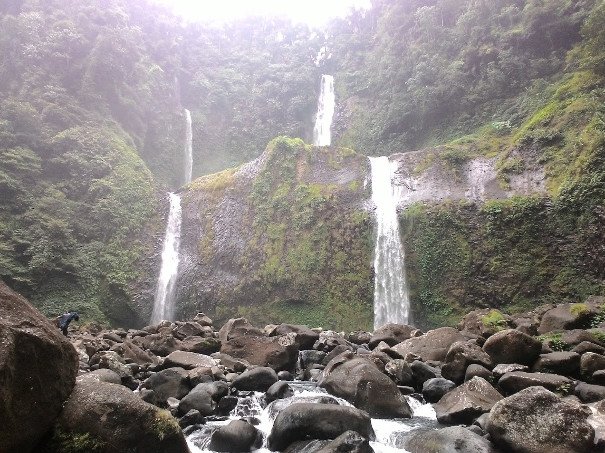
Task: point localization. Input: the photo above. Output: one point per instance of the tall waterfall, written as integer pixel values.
(163, 307)
(325, 112)
(391, 299)
(188, 148)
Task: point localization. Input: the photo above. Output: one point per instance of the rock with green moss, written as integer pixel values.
(285, 238)
(104, 418)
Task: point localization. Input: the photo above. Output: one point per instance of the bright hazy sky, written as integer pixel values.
(312, 12)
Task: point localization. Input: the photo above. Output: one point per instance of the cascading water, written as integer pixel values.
(188, 148)
(391, 300)
(390, 434)
(322, 135)
(163, 307)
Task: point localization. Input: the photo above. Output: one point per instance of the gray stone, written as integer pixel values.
(467, 402)
(512, 346)
(433, 345)
(434, 389)
(566, 363)
(257, 379)
(519, 380)
(454, 439)
(237, 436)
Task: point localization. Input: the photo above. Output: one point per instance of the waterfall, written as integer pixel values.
(325, 112)
(391, 300)
(163, 307)
(188, 148)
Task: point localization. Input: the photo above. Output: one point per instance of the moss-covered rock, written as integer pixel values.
(284, 238)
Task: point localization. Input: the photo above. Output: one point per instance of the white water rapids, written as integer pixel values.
(390, 434)
(391, 299)
(163, 307)
(322, 135)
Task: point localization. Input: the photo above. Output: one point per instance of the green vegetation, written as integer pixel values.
(495, 320)
(165, 425)
(64, 442)
(554, 340)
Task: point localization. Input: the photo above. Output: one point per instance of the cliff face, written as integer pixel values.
(285, 237)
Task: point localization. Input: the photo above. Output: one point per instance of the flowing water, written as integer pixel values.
(188, 148)
(322, 135)
(163, 307)
(391, 299)
(390, 434)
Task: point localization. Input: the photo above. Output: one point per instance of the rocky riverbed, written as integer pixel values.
(532, 383)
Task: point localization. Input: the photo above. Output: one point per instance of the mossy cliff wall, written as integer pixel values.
(286, 237)
(477, 245)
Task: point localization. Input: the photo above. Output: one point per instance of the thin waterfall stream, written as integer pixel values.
(163, 306)
(391, 299)
(322, 135)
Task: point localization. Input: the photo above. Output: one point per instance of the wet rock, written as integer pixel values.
(279, 390)
(200, 399)
(589, 393)
(433, 345)
(160, 344)
(188, 360)
(305, 338)
(285, 376)
(359, 381)
(434, 389)
(278, 353)
(317, 421)
(350, 442)
(459, 356)
(566, 363)
(238, 327)
(119, 420)
(512, 346)
(537, 421)
(237, 436)
(391, 334)
(465, 403)
(308, 358)
(479, 371)
(38, 369)
(193, 417)
(258, 379)
(171, 382)
(226, 404)
(519, 380)
(454, 439)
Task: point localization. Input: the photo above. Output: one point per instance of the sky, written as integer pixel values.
(311, 12)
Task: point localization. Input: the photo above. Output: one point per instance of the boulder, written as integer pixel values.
(301, 421)
(566, 317)
(566, 363)
(479, 371)
(160, 344)
(459, 356)
(304, 337)
(591, 362)
(588, 346)
(133, 353)
(434, 389)
(168, 383)
(359, 337)
(308, 358)
(328, 340)
(237, 436)
(279, 390)
(422, 372)
(279, 353)
(391, 334)
(257, 379)
(115, 419)
(589, 393)
(537, 421)
(359, 381)
(203, 320)
(101, 375)
(188, 360)
(485, 322)
(200, 399)
(38, 369)
(193, 417)
(238, 327)
(454, 439)
(400, 371)
(188, 329)
(503, 368)
(350, 442)
(519, 380)
(201, 345)
(467, 402)
(433, 345)
(512, 346)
